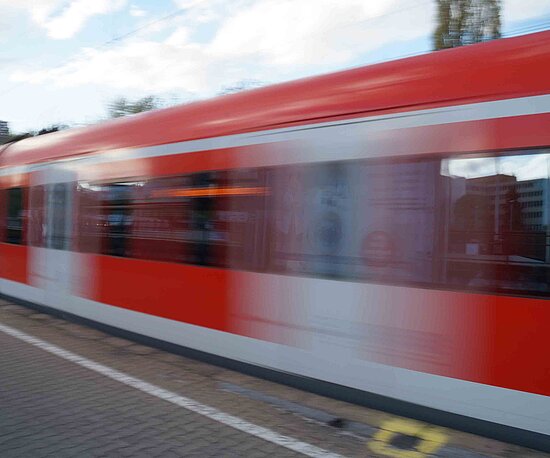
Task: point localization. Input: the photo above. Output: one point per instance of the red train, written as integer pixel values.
(383, 230)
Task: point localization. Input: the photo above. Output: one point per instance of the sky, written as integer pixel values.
(523, 167)
(64, 61)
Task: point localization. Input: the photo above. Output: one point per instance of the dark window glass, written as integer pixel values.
(117, 218)
(207, 249)
(15, 216)
(209, 219)
(161, 228)
(105, 217)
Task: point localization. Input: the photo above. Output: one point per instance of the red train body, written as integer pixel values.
(385, 229)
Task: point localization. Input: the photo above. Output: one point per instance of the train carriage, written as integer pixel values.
(382, 231)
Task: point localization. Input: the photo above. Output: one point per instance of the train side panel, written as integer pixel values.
(404, 257)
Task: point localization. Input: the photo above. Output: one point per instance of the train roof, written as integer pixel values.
(505, 68)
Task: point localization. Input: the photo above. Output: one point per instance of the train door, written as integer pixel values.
(52, 268)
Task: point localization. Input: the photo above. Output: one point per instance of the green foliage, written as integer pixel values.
(463, 22)
(52, 128)
(241, 85)
(11, 137)
(123, 107)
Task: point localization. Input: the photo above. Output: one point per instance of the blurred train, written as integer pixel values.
(383, 230)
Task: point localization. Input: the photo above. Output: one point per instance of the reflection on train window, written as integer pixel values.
(365, 220)
(471, 223)
(15, 216)
(59, 220)
(210, 219)
(497, 223)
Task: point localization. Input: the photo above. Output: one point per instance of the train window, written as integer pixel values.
(493, 240)
(311, 209)
(105, 217)
(37, 216)
(117, 218)
(15, 216)
(356, 220)
(161, 229)
(475, 223)
(206, 219)
(226, 217)
(209, 219)
(243, 218)
(59, 222)
(395, 231)
(208, 238)
(91, 224)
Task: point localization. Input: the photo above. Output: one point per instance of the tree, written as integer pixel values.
(463, 22)
(241, 85)
(52, 128)
(12, 138)
(124, 107)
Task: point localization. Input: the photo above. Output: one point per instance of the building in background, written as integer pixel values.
(512, 204)
(499, 215)
(4, 130)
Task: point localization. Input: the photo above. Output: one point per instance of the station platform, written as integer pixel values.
(68, 390)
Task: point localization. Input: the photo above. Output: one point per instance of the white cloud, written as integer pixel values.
(39, 10)
(270, 39)
(75, 15)
(307, 32)
(524, 167)
(225, 41)
(204, 11)
(136, 11)
(63, 18)
(520, 10)
(143, 65)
